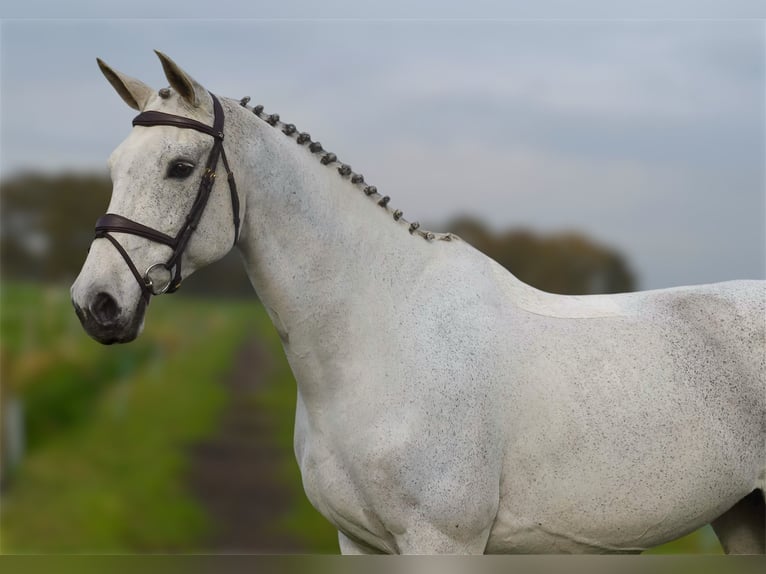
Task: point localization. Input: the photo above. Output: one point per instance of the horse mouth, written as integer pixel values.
(123, 330)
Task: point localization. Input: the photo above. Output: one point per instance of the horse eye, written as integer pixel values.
(180, 169)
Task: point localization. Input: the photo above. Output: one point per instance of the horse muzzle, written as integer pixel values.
(106, 321)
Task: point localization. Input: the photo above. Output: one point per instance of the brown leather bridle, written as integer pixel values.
(120, 224)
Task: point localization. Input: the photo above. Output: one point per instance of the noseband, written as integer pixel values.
(120, 224)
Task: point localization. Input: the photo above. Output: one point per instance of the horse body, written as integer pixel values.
(630, 430)
(484, 426)
(445, 406)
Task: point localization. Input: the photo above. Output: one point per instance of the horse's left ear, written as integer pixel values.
(189, 89)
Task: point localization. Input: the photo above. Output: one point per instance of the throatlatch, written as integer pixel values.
(117, 223)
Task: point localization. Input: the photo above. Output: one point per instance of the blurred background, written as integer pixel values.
(586, 156)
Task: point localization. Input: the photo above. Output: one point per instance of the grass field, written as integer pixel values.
(109, 427)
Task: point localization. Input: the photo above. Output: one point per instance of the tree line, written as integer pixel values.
(46, 226)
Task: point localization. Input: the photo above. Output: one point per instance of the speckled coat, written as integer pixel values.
(443, 406)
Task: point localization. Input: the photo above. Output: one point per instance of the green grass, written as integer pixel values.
(277, 397)
(702, 541)
(108, 427)
(106, 474)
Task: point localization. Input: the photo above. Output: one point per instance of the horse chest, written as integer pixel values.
(333, 485)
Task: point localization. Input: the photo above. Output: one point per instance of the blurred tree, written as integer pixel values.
(566, 263)
(46, 223)
(46, 227)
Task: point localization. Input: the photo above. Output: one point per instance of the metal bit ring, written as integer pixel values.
(150, 283)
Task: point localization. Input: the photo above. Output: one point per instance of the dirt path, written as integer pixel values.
(234, 473)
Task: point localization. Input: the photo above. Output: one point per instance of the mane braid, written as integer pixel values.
(344, 170)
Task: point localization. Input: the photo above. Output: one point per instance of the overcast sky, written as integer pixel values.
(645, 134)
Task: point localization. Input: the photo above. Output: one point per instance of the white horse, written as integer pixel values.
(443, 406)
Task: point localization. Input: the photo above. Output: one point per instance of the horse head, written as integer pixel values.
(168, 215)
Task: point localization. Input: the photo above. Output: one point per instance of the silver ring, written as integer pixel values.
(150, 284)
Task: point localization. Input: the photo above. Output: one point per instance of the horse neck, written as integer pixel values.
(315, 245)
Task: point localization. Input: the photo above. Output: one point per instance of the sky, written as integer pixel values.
(646, 133)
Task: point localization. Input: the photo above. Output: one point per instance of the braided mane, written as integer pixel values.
(343, 169)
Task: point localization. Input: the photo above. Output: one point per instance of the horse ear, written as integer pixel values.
(134, 92)
(180, 81)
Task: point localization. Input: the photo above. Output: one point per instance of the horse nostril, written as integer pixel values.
(105, 309)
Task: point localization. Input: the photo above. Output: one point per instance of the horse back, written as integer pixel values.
(724, 326)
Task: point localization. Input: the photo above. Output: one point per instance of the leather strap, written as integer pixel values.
(155, 118)
(120, 224)
(145, 291)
